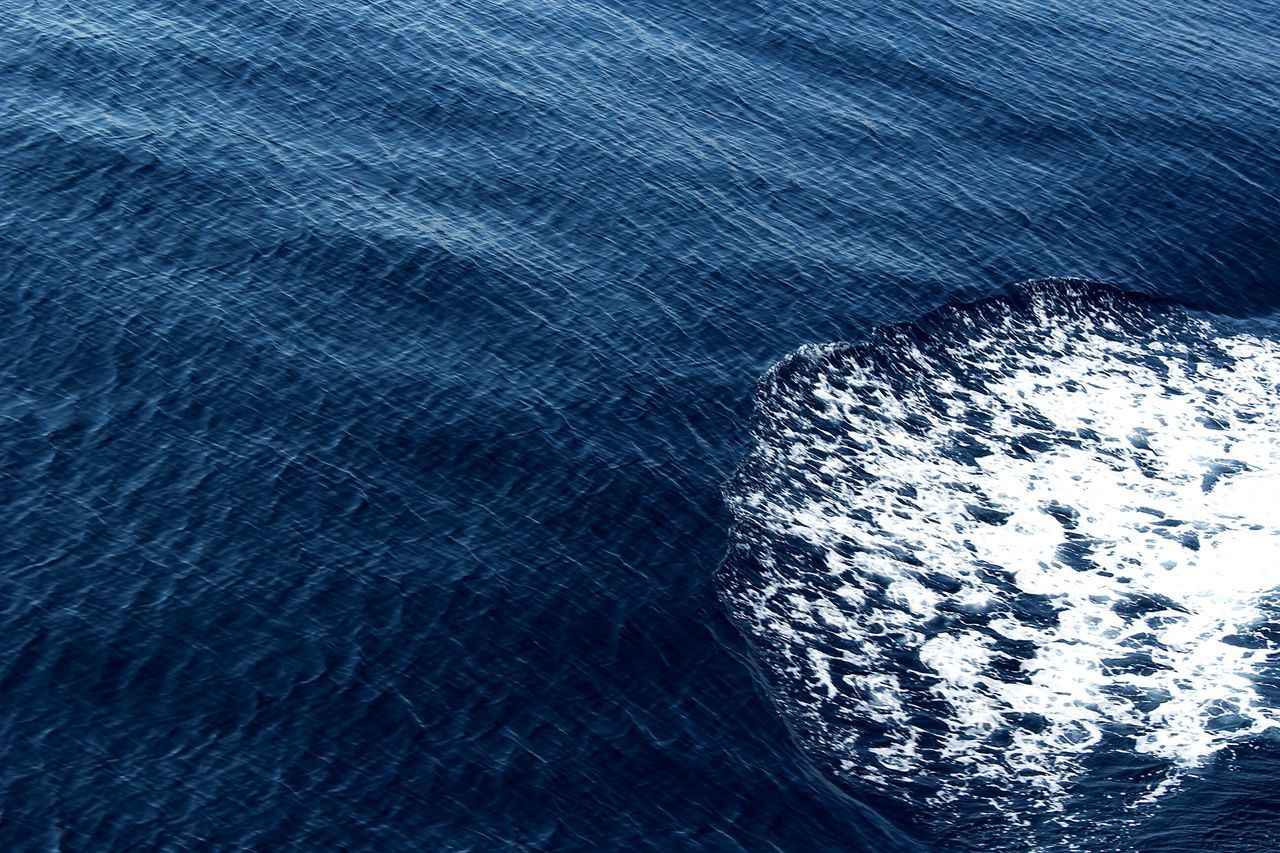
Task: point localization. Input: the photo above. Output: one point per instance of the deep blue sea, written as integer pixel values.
(393, 457)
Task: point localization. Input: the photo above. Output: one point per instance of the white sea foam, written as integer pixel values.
(978, 560)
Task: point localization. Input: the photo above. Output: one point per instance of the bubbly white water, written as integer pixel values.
(982, 560)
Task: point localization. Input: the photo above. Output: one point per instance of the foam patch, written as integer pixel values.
(982, 557)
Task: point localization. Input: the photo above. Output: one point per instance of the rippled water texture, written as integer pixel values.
(371, 374)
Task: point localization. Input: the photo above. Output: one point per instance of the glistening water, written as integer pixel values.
(387, 465)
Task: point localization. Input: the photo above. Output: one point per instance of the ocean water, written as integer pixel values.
(465, 426)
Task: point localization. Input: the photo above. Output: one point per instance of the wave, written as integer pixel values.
(1018, 551)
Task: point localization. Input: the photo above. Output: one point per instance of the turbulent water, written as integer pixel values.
(371, 374)
(1031, 542)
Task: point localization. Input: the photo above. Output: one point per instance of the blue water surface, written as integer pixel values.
(371, 372)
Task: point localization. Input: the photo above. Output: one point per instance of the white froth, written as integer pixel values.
(1083, 586)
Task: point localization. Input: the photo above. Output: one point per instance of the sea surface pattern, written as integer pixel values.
(371, 374)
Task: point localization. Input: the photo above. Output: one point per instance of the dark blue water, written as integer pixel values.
(371, 373)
